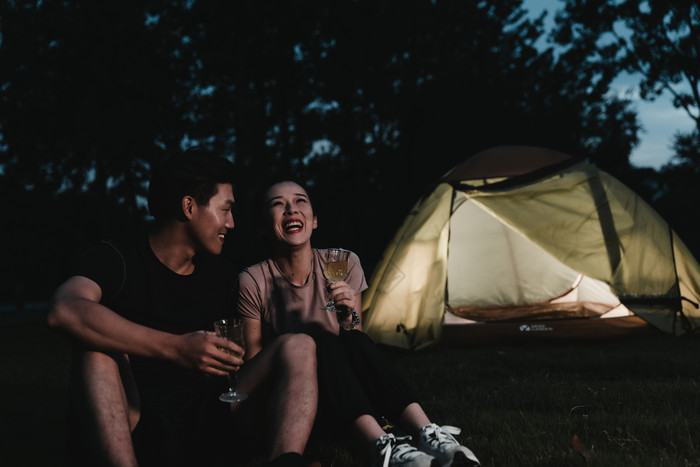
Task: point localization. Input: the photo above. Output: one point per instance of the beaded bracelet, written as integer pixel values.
(354, 323)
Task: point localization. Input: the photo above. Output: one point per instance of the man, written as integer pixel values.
(146, 373)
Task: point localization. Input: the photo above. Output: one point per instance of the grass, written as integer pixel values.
(34, 367)
(625, 403)
(628, 402)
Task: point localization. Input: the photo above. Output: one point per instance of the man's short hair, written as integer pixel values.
(195, 173)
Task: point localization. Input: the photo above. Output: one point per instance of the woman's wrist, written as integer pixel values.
(354, 321)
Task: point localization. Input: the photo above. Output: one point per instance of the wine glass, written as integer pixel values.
(232, 330)
(335, 270)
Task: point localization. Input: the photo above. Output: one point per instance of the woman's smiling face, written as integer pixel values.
(291, 217)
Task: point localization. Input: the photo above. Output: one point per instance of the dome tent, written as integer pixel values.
(523, 240)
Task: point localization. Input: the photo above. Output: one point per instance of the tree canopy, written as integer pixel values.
(367, 101)
(659, 43)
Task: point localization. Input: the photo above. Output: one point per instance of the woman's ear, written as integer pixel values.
(315, 223)
(187, 206)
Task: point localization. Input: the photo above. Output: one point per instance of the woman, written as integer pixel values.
(286, 293)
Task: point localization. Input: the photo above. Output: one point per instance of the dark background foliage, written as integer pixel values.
(367, 101)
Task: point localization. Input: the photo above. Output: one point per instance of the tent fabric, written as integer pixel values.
(409, 287)
(509, 232)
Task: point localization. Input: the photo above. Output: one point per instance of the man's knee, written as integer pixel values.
(104, 408)
(101, 380)
(92, 368)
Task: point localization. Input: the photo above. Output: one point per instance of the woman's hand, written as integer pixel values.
(346, 300)
(342, 295)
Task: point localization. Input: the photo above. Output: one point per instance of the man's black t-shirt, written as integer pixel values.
(136, 285)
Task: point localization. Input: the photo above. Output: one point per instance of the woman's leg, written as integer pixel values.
(413, 418)
(342, 399)
(385, 388)
(287, 368)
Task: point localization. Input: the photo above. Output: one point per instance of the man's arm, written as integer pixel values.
(75, 309)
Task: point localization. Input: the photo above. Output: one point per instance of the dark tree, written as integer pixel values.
(657, 41)
(87, 104)
(368, 101)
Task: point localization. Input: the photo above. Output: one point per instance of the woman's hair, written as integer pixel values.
(195, 173)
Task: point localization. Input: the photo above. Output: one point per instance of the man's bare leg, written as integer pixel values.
(290, 360)
(107, 415)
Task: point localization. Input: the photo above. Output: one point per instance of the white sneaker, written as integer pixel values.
(439, 443)
(391, 453)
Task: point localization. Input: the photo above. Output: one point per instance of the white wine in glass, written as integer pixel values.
(232, 330)
(335, 269)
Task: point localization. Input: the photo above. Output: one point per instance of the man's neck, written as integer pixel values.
(173, 248)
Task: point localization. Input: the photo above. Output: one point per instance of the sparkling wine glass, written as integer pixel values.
(232, 330)
(335, 270)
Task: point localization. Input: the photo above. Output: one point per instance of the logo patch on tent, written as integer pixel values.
(535, 328)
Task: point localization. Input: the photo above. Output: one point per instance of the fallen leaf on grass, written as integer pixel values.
(578, 447)
(582, 409)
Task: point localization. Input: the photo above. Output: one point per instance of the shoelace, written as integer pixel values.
(453, 430)
(387, 442)
(444, 434)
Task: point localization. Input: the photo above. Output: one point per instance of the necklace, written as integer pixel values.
(289, 277)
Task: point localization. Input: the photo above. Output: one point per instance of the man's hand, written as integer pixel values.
(207, 352)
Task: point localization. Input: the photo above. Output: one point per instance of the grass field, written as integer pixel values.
(632, 402)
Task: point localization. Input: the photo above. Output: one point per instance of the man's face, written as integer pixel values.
(209, 224)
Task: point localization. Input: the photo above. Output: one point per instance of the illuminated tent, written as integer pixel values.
(524, 241)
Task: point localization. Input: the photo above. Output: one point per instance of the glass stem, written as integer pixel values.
(232, 382)
(331, 303)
